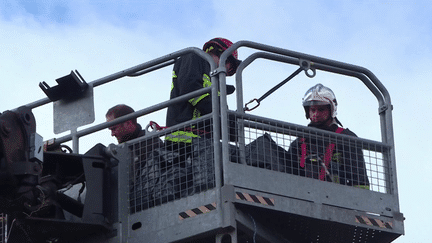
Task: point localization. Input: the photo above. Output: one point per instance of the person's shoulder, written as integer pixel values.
(190, 56)
(346, 131)
(189, 60)
(142, 133)
(294, 144)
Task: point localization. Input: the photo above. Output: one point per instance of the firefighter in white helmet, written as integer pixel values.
(320, 106)
(317, 158)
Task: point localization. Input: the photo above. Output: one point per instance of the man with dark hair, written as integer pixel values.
(145, 165)
(130, 129)
(127, 130)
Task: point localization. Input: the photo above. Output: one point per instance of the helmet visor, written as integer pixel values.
(319, 95)
(315, 102)
(234, 65)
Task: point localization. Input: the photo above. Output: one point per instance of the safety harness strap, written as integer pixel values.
(303, 151)
(327, 157)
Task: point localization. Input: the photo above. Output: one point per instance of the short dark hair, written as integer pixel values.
(121, 110)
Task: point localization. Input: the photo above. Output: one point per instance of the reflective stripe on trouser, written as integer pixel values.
(181, 136)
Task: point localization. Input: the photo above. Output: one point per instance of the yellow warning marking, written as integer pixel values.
(197, 211)
(255, 199)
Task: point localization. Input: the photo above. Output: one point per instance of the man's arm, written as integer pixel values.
(193, 75)
(355, 165)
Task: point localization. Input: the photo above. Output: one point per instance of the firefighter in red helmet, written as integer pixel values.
(216, 46)
(191, 73)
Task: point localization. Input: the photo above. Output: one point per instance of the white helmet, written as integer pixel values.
(320, 95)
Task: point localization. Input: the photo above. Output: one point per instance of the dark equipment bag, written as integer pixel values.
(263, 152)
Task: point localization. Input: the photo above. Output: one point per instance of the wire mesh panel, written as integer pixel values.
(377, 171)
(165, 171)
(2, 228)
(315, 153)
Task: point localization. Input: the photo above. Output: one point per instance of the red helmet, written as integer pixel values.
(224, 44)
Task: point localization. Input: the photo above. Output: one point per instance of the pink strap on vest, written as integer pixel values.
(328, 155)
(303, 153)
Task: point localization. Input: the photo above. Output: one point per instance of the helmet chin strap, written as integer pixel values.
(337, 121)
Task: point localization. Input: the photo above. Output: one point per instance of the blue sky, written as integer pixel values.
(46, 40)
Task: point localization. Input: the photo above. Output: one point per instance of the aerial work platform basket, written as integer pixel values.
(247, 191)
(238, 183)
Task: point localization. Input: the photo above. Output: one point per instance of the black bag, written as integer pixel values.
(263, 152)
(157, 180)
(165, 175)
(203, 167)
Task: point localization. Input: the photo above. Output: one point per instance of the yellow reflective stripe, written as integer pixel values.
(212, 48)
(209, 49)
(196, 114)
(172, 83)
(195, 101)
(337, 157)
(207, 82)
(362, 187)
(336, 179)
(181, 136)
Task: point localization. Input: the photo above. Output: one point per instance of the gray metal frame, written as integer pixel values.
(3, 226)
(335, 195)
(294, 196)
(313, 62)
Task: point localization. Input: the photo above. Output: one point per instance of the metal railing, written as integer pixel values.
(158, 174)
(307, 62)
(313, 63)
(363, 158)
(3, 223)
(137, 70)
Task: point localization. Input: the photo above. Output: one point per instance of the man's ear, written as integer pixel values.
(129, 124)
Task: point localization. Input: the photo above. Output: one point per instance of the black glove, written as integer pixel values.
(230, 89)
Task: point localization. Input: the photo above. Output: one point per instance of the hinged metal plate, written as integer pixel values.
(71, 114)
